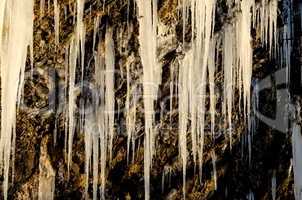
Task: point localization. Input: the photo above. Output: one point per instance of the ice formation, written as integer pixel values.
(274, 186)
(214, 160)
(57, 21)
(198, 66)
(17, 16)
(193, 70)
(147, 12)
(267, 20)
(297, 165)
(228, 65)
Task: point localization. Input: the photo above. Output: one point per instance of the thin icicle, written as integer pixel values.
(17, 16)
(274, 185)
(213, 155)
(100, 116)
(268, 24)
(297, 164)
(166, 173)
(95, 164)
(286, 48)
(71, 97)
(95, 31)
(147, 12)
(211, 71)
(57, 22)
(130, 112)
(88, 131)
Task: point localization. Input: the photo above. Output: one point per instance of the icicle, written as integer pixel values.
(57, 22)
(297, 164)
(95, 31)
(147, 12)
(88, 131)
(183, 107)
(71, 96)
(66, 102)
(211, 71)
(95, 168)
(250, 196)
(268, 24)
(130, 112)
(228, 59)
(166, 173)
(100, 118)
(245, 53)
(109, 83)
(213, 155)
(274, 183)
(286, 48)
(77, 43)
(17, 16)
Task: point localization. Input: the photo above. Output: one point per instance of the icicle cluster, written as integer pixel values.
(192, 72)
(267, 21)
(196, 71)
(16, 35)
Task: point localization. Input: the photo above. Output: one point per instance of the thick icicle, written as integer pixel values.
(228, 63)
(17, 16)
(147, 12)
(183, 107)
(109, 90)
(245, 52)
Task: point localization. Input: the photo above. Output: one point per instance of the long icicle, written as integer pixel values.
(57, 21)
(109, 90)
(100, 117)
(228, 75)
(297, 166)
(17, 15)
(245, 53)
(147, 12)
(76, 44)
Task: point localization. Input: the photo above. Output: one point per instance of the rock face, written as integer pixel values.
(244, 170)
